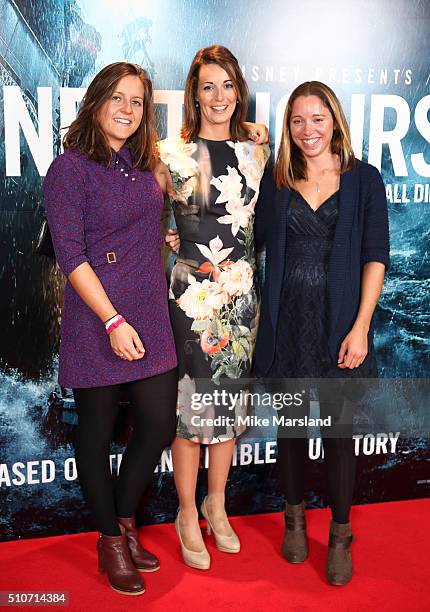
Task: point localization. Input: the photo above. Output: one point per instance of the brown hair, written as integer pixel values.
(85, 133)
(216, 54)
(290, 164)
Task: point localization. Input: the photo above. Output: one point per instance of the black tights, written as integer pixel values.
(339, 458)
(153, 404)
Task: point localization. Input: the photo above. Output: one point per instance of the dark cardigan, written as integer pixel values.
(361, 236)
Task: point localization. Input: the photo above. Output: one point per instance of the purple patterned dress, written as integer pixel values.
(109, 216)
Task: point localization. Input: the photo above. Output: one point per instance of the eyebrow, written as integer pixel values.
(211, 82)
(314, 115)
(122, 93)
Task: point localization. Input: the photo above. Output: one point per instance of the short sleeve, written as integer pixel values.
(376, 243)
(64, 193)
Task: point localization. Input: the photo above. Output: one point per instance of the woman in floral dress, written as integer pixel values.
(216, 173)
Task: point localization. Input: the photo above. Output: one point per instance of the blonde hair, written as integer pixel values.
(290, 165)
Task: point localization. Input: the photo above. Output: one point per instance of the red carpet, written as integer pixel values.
(391, 560)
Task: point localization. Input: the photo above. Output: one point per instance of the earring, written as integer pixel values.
(197, 104)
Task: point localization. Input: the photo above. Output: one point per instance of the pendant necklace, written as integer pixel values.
(318, 187)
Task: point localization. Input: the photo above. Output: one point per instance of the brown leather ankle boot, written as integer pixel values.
(115, 561)
(339, 562)
(143, 560)
(295, 543)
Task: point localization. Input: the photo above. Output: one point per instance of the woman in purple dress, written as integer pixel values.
(104, 198)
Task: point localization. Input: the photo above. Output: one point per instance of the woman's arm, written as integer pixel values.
(375, 259)
(354, 347)
(264, 207)
(162, 174)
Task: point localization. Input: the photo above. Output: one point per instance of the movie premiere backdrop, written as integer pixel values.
(374, 55)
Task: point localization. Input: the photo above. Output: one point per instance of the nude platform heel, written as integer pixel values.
(198, 560)
(228, 544)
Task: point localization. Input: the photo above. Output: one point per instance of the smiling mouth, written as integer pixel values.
(219, 109)
(122, 121)
(310, 141)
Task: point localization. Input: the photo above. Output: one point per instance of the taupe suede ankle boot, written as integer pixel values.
(339, 562)
(295, 543)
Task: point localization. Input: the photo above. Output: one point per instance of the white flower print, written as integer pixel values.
(236, 279)
(238, 216)
(186, 190)
(252, 159)
(214, 253)
(213, 282)
(176, 154)
(202, 300)
(230, 185)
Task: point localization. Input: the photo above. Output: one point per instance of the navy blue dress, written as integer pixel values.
(303, 322)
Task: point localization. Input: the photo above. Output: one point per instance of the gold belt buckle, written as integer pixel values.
(111, 257)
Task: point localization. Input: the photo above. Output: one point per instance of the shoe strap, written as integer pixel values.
(336, 541)
(295, 523)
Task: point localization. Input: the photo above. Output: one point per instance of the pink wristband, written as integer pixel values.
(114, 323)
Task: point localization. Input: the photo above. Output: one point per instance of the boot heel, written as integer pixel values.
(99, 557)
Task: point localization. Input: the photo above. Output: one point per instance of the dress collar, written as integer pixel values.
(124, 155)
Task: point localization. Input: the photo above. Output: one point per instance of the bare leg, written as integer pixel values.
(220, 456)
(186, 460)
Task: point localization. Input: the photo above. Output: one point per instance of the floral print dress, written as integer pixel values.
(213, 294)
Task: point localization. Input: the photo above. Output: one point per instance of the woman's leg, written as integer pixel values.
(292, 458)
(292, 445)
(340, 464)
(186, 461)
(97, 410)
(220, 456)
(153, 402)
(339, 457)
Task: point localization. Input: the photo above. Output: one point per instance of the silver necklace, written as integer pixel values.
(318, 187)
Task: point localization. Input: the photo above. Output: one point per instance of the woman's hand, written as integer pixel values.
(257, 132)
(353, 349)
(172, 240)
(125, 343)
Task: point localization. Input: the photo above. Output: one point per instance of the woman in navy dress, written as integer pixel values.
(104, 199)
(323, 217)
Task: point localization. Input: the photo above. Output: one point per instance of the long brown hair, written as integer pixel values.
(216, 54)
(85, 133)
(290, 165)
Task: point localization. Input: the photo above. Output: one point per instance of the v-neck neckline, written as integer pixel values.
(315, 210)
